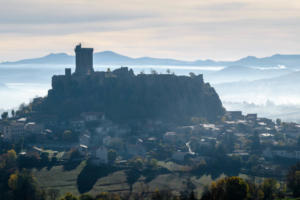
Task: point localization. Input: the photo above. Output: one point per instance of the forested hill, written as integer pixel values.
(122, 96)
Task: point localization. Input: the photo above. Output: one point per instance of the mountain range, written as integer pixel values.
(112, 58)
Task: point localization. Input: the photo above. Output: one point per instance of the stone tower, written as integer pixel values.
(84, 60)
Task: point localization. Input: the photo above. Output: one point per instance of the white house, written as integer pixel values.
(84, 139)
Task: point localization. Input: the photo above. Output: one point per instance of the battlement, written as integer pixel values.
(68, 72)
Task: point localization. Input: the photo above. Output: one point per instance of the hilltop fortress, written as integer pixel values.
(121, 95)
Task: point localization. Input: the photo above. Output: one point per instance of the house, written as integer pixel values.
(151, 139)
(235, 115)
(267, 153)
(266, 121)
(282, 153)
(100, 155)
(207, 142)
(33, 127)
(37, 149)
(171, 137)
(92, 116)
(251, 117)
(13, 131)
(77, 125)
(208, 129)
(22, 120)
(240, 153)
(84, 139)
(292, 130)
(287, 154)
(83, 149)
(135, 149)
(107, 140)
(179, 155)
(266, 138)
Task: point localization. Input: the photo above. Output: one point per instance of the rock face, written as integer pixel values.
(122, 96)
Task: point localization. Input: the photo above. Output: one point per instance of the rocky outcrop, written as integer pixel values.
(122, 96)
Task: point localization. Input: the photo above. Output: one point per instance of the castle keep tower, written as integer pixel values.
(84, 60)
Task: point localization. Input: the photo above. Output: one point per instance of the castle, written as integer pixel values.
(123, 96)
(84, 61)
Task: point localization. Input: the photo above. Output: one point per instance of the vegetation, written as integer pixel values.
(15, 184)
(293, 180)
(4, 115)
(19, 183)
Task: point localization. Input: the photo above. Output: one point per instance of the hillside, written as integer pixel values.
(123, 96)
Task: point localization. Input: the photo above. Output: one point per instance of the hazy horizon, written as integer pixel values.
(142, 56)
(272, 98)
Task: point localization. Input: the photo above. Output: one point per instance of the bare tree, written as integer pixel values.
(153, 72)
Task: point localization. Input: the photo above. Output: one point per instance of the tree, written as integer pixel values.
(168, 71)
(136, 163)
(269, 188)
(53, 160)
(4, 115)
(53, 194)
(111, 156)
(11, 158)
(192, 75)
(13, 113)
(293, 180)
(12, 155)
(255, 192)
(192, 196)
(153, 72)
(162, 195)
(153, 163)
(69, 196)
(24, 186)
(132, 175)
(86, 197)
(233, 188)
(44, 159)
(255, 147)
(278, 122)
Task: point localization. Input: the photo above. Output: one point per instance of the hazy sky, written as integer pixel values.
(183, 29)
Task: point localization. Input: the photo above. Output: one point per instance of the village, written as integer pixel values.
(253, 140)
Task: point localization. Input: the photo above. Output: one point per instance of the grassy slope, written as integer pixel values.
(57, 178)
(65, 181)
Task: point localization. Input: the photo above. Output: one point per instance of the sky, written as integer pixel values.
(181, 29)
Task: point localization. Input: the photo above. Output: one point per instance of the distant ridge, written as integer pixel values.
(112, 58)
(53, 58)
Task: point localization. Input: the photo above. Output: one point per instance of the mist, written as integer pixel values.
(270, 92)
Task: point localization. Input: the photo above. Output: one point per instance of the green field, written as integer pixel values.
(66, 181)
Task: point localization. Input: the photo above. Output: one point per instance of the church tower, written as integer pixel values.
(84, 60)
